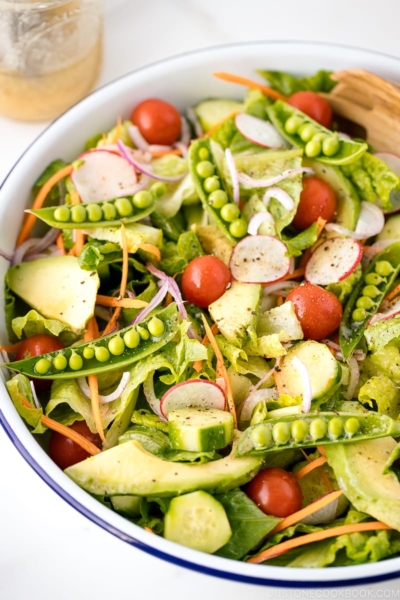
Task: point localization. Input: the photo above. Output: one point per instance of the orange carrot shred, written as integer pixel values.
(316, 537)
(324, 476)
(65, 431)
(12, 348)
(117, 133)
(29, 221)
(280, 301)
(148, 530)
(124, 279)
(157, 153)
(92, 330)
(122, 302)
(94, 396)
(221, 369)
(318, 462)
(60, 244)
(395, 291)
(265, 89)
(198, 364)
(321, 450)
(296, 273)
(152, 249)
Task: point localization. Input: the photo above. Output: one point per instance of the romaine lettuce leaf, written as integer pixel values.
(144, 418)
(382, 333)
(387, 362)
(33, 323)
(381, 394)
(230, 352)
(296, 245)
(177, 194)
(19, 387)
(58, 191)
(255, 104)
(95, 254)
(342, 289)
(13, 307)
(288, 84)
(175, 257)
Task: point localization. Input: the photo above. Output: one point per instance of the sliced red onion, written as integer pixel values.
(130, 294)
(277, 287)
(158, 298)
(234, 175)
(53, 251)
(159, 148)
(191, 115)
(354, 378)
(182, 147)
(5, 255)
(47, 240)
(257, 220)
(137, 138)
(248, 405)
(186, 134)
(143, 168)
(306, 381)
(153, 401)
(332, 345)
(250, 182)
(280, 195)
(23, 249)
(83, 386)
(370, 222)
(35, 398)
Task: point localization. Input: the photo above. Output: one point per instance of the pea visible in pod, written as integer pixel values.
(60, 362)
(101, 353)
(132, 338)
(230, 212)
(218, 198)
(62, 214)
(78, 213)
(293, 124)
(42, 366)
(156, 327)
(75, 362)
(144, 334)
(211, 184)
(281, 433)
(94, 212)
(109, 211)
(205, 169)
(124, 207)
(261, 436)
(116, 345)
(142, 199)
(318, 428)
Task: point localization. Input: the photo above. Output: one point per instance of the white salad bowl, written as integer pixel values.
(182, 80)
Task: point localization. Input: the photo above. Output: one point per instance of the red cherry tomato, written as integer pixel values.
(276, 492)
(318, 310)
(317, 199)
(313, 105)
(159, 122)
(34, 346)
(204, 280)
(65, 452)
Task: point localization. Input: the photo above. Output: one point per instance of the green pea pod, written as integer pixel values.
(213, 192)
(317, 141)
(96, 214)
(312, 429)
(367, 296)
(113, 351)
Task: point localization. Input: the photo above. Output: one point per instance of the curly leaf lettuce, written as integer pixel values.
(33, 324)
(382, 333)
(18, 388)
(381, 394)
(288, 84)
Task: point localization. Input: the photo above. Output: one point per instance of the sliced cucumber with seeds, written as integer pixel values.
(200, 429)
(198, 521)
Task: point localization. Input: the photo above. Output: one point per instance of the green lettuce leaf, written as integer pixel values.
(151, 438)
(33, 323)
(382, 333)
(19, 387)
(95, 254)
(342, 289)
(380, 394)
(145, 418)
(171, 227)
(230, 352)
(373, 179)
(387, 362)
(248, 523)
(255, 104)
(296, 245)
(288, 84)
(177, 194)
(392, 465)
(13, 307)
(175, 257)
(59, 190)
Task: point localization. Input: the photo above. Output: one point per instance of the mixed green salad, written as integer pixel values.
(203, 315)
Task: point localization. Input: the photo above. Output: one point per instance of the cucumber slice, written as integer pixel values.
(200, 429)
(324, 370)
(211, 112)
(127, 505)
(198, 521)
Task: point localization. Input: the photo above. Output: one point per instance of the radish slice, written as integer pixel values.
(392, 311)
(259, 132)
(102, 176)
(280, 195)
(146, 169)
(259, 259)
(83, 386)
(354, 378)
(234, 175)
(257, 220)
(333, 260)
(370, 222)
(323, 515)
(194, 393)
(306, 381)
(250, 182)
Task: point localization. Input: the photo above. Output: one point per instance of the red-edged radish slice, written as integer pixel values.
(257, 220)
(392, 311)
(370, 222)
(306, 383)
(392, 160)
(259, 259)
(333, 260)
(194, 393)
(324, 514)
(259, 132)
(103, 175)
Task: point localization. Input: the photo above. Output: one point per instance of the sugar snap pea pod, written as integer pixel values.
(114, 351)
(317, 141)
(312, 429)
(367, 296)
(213, 192)
(98, 214)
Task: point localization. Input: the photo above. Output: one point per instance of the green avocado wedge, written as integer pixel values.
(359, 468)
(130, 469)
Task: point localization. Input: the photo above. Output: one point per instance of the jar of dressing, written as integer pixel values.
(50, 55)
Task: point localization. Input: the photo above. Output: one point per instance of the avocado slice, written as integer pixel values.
(359, 468)
(348, 201)
(237, 310)
(57, 288)
(214, 242)
(130, 469)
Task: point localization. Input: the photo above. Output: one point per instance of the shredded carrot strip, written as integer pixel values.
(393, 293)
(168, 300)
(280, 301)
(94, 396)
(12, 347)
(152, 249)
(316, 537)
(122, 302)
(148, 530)
(65, 431)
(318, 462)
(221, 369)
(265, 89)
(306, 256)
(307, 511)
(321, 450)
(92, 331)
(60, 243)
(214, 128)
(157, 153)
(29, 221)
(124, 279)
(324, 476)
(198, 364)
(117, 133)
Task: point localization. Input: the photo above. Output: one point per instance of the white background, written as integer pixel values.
(48, 551)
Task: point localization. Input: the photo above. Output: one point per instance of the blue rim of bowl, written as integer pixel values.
(91, 515)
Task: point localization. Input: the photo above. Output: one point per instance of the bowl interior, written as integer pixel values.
(183, 80)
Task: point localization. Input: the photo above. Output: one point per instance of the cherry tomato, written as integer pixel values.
(317, 199)
(204, 280)
(35, 345)
(313, 105)
(276, 492)
(318, 310)
(159, 122)
(65, 452)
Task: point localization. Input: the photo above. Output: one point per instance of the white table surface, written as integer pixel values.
(48, 551)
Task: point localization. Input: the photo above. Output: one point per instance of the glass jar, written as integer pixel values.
(50, 55)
